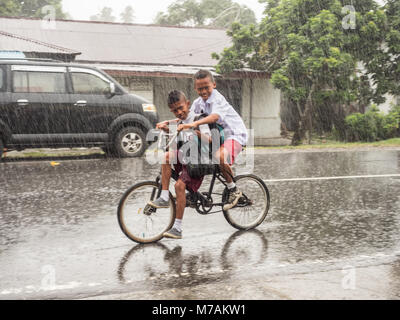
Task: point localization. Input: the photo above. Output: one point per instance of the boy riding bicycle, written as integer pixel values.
(179, 106)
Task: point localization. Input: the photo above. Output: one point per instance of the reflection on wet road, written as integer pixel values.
(60, 237)
(195, 268)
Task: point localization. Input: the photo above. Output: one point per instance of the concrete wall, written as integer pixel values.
(260, 111)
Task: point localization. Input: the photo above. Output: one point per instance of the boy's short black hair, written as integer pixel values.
(174, 96)
(201, 74)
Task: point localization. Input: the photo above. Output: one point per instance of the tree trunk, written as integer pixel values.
(305, 122)
(338, 120)
(297, 135)
(308, 113)
(299, 128)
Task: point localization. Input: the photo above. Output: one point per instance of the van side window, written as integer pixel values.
(2, 79)
(39, 82)
(86, 83)
(20, 81)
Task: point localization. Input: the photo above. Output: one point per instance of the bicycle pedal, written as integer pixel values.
(244, 201)
(149, 210)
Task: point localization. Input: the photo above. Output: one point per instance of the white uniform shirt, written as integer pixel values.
(229, 119)
(187, 134)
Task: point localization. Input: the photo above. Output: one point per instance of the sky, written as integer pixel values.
(145, 10)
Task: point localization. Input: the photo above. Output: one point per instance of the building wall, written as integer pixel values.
(141, 86)
(246, 102)
(260, 111)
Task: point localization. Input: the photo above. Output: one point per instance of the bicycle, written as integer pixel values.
(143, 223)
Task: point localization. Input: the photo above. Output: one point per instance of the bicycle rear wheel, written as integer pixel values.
(252, 207)
(141, 222)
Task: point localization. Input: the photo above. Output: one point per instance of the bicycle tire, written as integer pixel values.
(235, 216)
(132, 215)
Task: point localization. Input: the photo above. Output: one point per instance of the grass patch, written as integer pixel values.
(321, 144)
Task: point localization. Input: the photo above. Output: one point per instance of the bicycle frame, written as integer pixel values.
(201, 200)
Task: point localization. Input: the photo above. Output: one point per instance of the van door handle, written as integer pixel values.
(80, 103)
(22, 102)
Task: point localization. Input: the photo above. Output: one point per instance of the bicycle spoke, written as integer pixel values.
(136, 220)
(254, 208)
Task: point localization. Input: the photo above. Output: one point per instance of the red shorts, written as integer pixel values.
(234, 148)
(191, 183)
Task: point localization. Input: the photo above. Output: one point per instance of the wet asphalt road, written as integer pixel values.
(333, 232)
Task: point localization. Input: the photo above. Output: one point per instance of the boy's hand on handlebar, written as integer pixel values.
(163, 126)
(187, 126)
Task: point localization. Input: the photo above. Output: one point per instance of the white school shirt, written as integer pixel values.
(229, 119)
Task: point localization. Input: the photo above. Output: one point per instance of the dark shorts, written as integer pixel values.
(191, 183)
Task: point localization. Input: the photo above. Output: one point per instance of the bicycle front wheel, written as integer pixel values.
(141, 222)
(252, 207)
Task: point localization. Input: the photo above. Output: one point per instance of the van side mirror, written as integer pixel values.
(112, 89)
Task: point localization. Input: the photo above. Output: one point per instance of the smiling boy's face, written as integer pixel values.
(204, 87)
(181, 108)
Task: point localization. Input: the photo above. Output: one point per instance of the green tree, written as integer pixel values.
(31, 8)
(312, 56)
(223, 13)
(35, 8)
(106, 15)
(393, 42)
(217, 13)
(9, 8)
(127, 16)
(384, 65)
(182, 12)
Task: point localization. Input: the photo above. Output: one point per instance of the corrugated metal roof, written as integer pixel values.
(126, 43)
(12, 42)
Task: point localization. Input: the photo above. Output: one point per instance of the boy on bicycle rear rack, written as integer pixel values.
(179, 106)
(219, 111)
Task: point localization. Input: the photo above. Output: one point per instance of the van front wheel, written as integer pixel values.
(130, 142)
